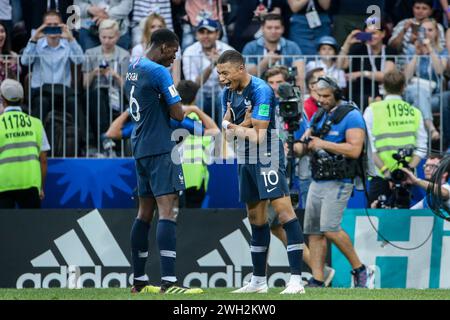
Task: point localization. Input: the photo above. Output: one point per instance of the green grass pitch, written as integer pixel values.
(224, 294)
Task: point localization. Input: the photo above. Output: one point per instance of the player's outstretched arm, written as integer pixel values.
(211, 127)
(176, 111)
(115, 129)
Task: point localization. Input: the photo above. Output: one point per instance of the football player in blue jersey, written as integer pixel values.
(249, 115)
(153, 101)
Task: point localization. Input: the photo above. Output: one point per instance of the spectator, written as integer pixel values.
(154, 22)
(9, 67)
(377, 59)
(387, 134)
(93, 12)
(33, 10)
(429, 168)
(309, 23)
(327, 50)
(249, 14)
(423, 72)
(142, 10)
(198, 11)
(272, 48)
(50, 55)
(6, 16)
(310, 104)
(406, 31)
(104, 69)
(399, 10)
(23, 169)
(349, 15)
(199, 65)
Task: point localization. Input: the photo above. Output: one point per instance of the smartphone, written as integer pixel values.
(421, 34)
(415, 27)
(103, 64)
(364, 36)
(52, 30)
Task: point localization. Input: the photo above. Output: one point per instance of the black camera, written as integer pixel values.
(398, 176)
(290, 104)
(327, 166)
(401, 195)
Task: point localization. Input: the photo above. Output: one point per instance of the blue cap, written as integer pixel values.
(327, 40)
(209, 24)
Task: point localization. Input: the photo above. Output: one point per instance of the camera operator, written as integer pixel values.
(429, 168)
(335, 139)
(394, 128)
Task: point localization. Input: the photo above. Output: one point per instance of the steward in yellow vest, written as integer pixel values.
(21, 152)
(393, 125)
(195, 148)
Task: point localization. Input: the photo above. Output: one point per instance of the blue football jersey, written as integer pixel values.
(261, 98)
(151, 91)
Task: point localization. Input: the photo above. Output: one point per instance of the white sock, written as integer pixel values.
(295, 278)
(258, 281)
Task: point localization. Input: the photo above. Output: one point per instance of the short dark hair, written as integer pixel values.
(52, 13)
(272, 17)
(394, 81)
(427, 2)
(276, 70)
(436, 156)
(232, 56)
(310, 74)
(187, 90)
(163, 36)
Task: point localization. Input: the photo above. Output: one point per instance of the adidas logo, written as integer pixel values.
(233, 275)
(76, 255)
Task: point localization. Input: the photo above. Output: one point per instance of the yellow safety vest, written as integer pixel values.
(20, 145)
(395, 126)
(194, 159)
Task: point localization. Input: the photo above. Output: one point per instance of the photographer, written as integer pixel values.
(393, 125)
(335, 139)
(429, 168)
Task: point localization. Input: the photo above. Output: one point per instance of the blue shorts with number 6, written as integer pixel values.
(260, 182)
(158, 175)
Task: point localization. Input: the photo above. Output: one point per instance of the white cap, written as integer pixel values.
(11, 90)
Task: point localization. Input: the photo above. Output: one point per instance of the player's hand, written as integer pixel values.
(247, 122)
(316, 143)
(41, 194)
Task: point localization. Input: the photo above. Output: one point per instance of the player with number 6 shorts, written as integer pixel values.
(153, 101)
(249, 116)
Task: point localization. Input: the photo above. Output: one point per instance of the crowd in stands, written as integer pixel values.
(74, 72)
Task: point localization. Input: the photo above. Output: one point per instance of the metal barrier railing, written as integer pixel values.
(77, 102)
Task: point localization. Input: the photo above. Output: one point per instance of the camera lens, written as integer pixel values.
(398, 175)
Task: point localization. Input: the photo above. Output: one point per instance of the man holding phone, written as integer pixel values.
(368, 43)
(50, 51)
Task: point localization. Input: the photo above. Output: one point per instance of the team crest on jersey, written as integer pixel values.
(173, 91)
(247, 102)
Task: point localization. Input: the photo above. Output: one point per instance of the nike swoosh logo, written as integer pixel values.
(270, 190)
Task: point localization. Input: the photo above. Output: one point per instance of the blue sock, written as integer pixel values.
(139, 246)
(260, 244)
(166, 239)
(295, 243)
